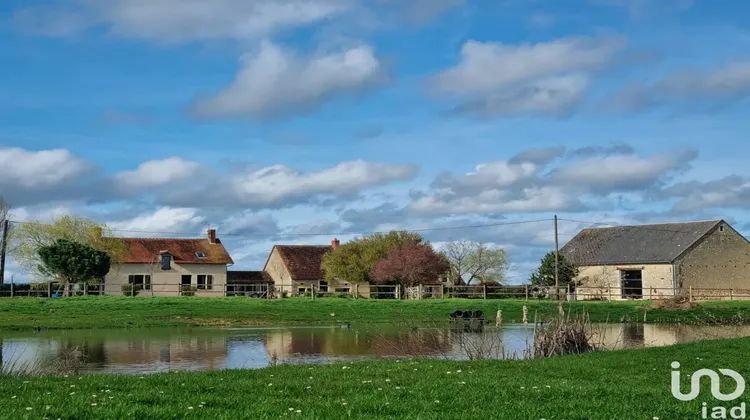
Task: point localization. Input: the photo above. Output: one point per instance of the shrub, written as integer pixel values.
(131, 290)
(188, 290)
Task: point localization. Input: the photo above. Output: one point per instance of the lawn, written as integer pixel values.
(118, 312)
(632, 384)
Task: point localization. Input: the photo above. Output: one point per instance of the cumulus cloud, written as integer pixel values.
(693, 196)
(277, 184)
(156, 173)
(493, 78)
(530, 182)
(163, 219)
(179, 20)
(704, 88)
(39, 169)
(30, 176)
(275, 81)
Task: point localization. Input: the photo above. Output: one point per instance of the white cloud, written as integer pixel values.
(156, 173)
(706, 88)
(163, 219)
(530, 182)
(278, 184)
(276, 80)
(180, 20)
(547, 77)
(38, 169)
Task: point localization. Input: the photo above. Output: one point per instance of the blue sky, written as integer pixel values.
(268, 119)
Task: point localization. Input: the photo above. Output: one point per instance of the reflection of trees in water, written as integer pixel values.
(414, 342)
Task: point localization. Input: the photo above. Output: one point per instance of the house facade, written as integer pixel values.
(171, 267)
(297, 269)
(657, 261)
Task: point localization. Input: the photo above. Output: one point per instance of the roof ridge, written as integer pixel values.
(690, 222)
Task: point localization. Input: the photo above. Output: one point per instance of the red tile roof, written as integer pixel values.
(146, 251)
(303, 261)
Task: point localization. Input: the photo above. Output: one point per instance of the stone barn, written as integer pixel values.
(660, 260)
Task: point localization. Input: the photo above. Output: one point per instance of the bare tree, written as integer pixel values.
(475, 262)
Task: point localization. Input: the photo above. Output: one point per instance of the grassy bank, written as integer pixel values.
(622, 384)
(119, 312)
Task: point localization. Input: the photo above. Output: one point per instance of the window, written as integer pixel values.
(187, 280)
(166, 261)
(200, 254)
(721, 228)
(140, 280)
(205, 281)
(323, 286)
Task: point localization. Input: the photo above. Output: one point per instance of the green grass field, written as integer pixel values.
(631, 384)
(118, 312)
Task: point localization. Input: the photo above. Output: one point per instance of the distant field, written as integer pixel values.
(122, 312)
(632, 384)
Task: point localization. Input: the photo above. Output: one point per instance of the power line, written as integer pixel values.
(292, 234)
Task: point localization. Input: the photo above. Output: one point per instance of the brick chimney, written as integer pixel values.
(335, 243)
(212, 236)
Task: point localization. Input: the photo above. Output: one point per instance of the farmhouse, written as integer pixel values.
(645, 261)
(296, 269)
(170, 266)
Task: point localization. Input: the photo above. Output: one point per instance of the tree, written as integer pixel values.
(28, 238)
(410, 264)
(4, 209)
(72, 262)
(354, 260)
(545, 274)
(474, 262)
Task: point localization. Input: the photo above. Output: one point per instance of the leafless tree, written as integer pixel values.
(475, 262)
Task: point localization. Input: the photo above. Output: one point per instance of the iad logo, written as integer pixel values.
(717, 412)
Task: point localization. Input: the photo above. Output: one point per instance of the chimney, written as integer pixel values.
(212, 236)
(335, 243)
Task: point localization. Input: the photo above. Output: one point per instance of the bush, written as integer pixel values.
(131, 290)
(188, 290)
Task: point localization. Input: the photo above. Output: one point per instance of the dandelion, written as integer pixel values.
(380, 389)
(291, 408)
(270, 384)
(437, 401)
(462, 383)
(345, 367)
(93, 404)
(448, 372)
(13, 397)
(387, 380)
(190, 408)
(333, 314)
(458, 371)
(343, 403)
(655, 418)
(297, 411)
(29, 408)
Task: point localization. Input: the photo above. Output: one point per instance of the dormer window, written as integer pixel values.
(200, 254)
(166, 260)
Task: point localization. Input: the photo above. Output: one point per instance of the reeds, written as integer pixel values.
(563, 335)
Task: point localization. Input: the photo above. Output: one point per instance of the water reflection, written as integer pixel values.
(152, 350)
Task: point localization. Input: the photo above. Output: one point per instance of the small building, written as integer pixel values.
(171, 266)
(248, 283)
(659, 260)
(297, 269)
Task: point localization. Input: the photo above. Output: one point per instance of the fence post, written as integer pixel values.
(398, 292)
(690, 291)
(11, 289)
(526, 291)
(85, 289)
(731, 294)
(356, 290)
(49, 289)
(609, 293)
(567, 291)
(484, 291)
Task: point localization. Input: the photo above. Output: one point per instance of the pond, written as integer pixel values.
(167, 349)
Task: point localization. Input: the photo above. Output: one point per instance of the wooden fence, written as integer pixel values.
(270, 291)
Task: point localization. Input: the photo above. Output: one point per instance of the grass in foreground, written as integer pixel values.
(120, 312)
(632, 384)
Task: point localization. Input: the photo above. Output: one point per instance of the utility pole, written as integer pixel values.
(3, 249)
(557, 261)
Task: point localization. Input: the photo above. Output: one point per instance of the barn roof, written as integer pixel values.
(247, 277)
(303, 261)
(639, 244)
(184, 251)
